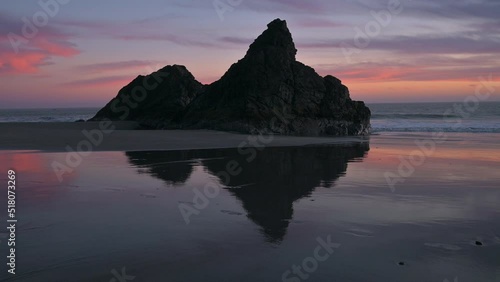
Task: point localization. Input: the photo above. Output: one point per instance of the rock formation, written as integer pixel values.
(268, 91)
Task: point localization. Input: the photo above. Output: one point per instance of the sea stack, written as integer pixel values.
(266, 92)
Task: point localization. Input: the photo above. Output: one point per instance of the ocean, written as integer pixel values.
(389, 117)
(47, 115)
(436, 117)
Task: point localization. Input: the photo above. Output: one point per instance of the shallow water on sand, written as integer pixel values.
(325, 209)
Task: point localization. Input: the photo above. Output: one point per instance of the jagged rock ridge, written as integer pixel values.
(268, 91)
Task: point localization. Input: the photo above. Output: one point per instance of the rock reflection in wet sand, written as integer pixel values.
(269, 181)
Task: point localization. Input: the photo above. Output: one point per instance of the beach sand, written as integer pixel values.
(119, 210)
(57, 136)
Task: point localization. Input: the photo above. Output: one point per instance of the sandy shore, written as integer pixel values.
(382, 203)
(122, 210)
(57, 136)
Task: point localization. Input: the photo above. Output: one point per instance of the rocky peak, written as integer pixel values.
(177, 71)
(277, 39)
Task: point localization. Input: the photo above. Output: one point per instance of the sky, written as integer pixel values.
(68, 53)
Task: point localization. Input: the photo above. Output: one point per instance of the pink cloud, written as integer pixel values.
(120, 66)
(32, 53)
(24, 63)
(60, 49)
(109, 81)
(29, 60)
(379, 72)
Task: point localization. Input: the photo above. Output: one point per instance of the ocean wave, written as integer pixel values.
(413, 116)
(46, 115)
(437, 129)
(47, 118)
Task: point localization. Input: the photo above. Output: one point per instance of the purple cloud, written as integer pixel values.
(116, 66)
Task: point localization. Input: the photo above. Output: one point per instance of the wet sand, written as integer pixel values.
(120, 211)
(57, 136)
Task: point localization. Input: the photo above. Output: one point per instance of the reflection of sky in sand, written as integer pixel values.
(439, 174)
(384, 209)
(442, 188)
(120, 206)
(34, 172)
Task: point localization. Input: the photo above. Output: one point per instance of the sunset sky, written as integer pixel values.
(419, 51)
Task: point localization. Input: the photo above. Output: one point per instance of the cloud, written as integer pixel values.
(95, 25)
(434, 44)
(413, 70)
(33, 53)
(422, 9)
(318, 23)
(118, 66)
(26, 62)
(117, 80)
(55, 47)
(455, 9)
(490, 26)
(179, 40)
(296, 7)
(137, 30)
(418, 44)
(236, 40)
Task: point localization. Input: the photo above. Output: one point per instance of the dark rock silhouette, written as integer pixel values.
(268, 185)
(155, 99)
(268, 92)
